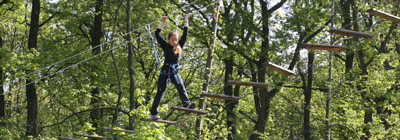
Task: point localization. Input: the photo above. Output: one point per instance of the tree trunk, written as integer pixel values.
(31, 96)
(132, 84)
(307, 96)
(96, 34)
(368, 111)
(230, 106)
(199, 121)
(350, 53)
(2, 96)
(115, 117)
(264, 95)
(346, 25)
(264, 100)
(255, 89)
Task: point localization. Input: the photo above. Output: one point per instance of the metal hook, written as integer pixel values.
(147, 26)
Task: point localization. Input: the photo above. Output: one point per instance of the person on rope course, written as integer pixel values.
(170, 70)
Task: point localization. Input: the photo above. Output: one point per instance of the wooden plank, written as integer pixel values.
(278, 68)
(65, 138)
(351, 33)
(119, 130)
(384, 15)
(201, 112)
(323, 47)
(220, 96)
(90, 136)
(240, 83)
(160, 121)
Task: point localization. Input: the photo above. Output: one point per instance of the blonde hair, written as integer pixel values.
(177, 48)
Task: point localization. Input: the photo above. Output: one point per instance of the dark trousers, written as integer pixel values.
(162, 84)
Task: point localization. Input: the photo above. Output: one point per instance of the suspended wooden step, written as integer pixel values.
(384, 15)
(65, 138)
(220, 96)
(90, 136)
(280, 69)
(323, 47)
(201, 112)
(351, 33)
(119, 130)
(240, 83)
(160, 121)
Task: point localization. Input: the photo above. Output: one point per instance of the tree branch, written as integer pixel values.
(355, 132)
(236, 50)
(247, 116)
(47, 20)
(277, 6)
(319, 89)
(76, 113)
(306, 40)
(340, 57)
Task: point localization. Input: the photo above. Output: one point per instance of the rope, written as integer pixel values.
(147, 26)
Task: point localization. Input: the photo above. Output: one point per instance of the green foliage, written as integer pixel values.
(64, 89)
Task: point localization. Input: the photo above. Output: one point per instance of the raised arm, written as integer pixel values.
(187, 19)
(185, 31)
(164, 20)
(159, 38)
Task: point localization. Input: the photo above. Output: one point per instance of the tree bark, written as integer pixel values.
(132, 84)
(264, 95)
(307, 97)
(199, 121)
(264, 100)
(2, 96)
(347, 25)
(31, 95)
(368, 111)
(96, 34)
(230, 113)
(115, 117)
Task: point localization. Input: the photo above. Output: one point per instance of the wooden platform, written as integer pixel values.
(201, 112)
(65, 138)
(160, 121)
(278, 68)
(240, 83)
(351, 33)
(90, 136)
(384, 15)
(119, 130)
(220, 96)
(323, 47)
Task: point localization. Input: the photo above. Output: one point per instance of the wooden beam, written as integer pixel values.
(384, 15)
(160, 121)
(351, 33)
(323, 47)
(65, 138)
(220, 96)
(119, 130)
(278, 68)
(90, 136)
(240, 83)
(200, 112)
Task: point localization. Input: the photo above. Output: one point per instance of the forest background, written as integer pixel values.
(76, 66)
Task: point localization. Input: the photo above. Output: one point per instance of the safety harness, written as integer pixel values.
(174, 67)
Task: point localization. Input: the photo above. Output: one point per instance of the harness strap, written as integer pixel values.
(175, 70)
